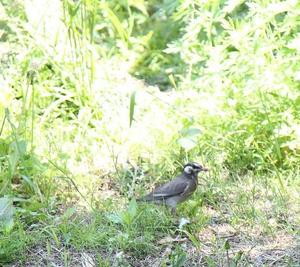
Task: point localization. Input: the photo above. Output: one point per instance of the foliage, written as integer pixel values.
(76, 126)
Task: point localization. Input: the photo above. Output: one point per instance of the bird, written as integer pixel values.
(177, 190)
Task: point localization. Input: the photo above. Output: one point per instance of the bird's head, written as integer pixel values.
(193, 168)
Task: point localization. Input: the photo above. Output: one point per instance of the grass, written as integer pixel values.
(259, 223)
(82, 134)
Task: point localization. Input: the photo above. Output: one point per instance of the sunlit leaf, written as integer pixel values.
(186, 143)
(189, 138)
(121, 30)
(190, 132)
(140, 5)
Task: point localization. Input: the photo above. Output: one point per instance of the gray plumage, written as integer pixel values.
(178, 189)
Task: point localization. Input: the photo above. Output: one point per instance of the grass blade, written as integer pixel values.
(131, 107)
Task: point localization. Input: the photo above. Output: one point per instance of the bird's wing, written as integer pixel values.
(172, 188)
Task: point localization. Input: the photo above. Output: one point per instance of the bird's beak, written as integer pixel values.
(205, 169)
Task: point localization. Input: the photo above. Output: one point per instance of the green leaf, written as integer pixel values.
(16, 151)
(187, 143)
(210, 262)
(69, 213)
(132, 208)
(4, 147)
(126, 218)
(12, 163)
(115, 218)
(131, 107)
(178, 257)
(227, 245)
(6, 214)
(20, 146)
(129, 215)
(237, 257)
(189, 138)
(140, 5)
(28, 180)
(189, 132)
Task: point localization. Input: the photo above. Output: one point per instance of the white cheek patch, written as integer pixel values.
(188, 169)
